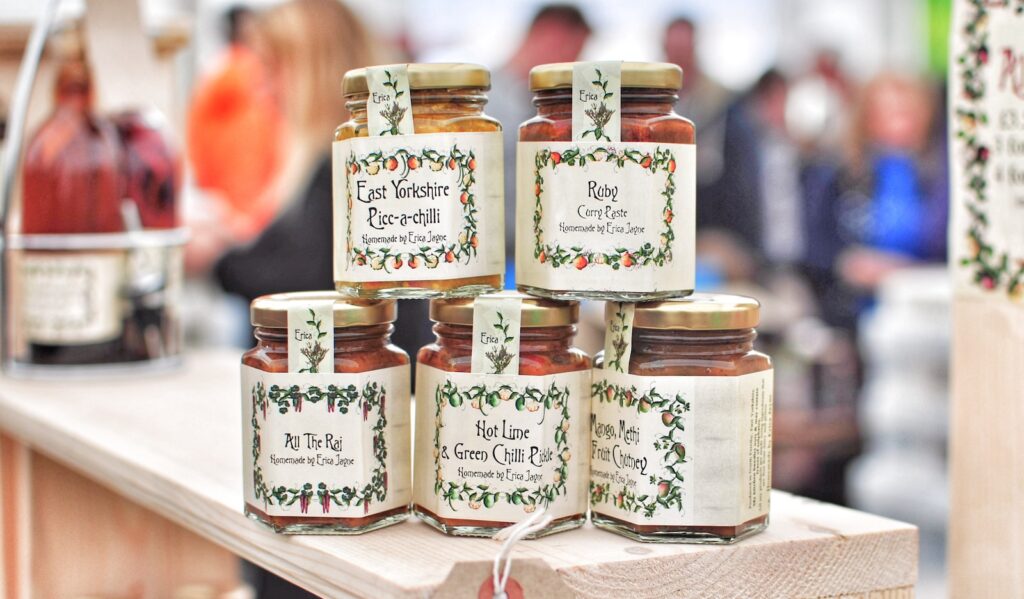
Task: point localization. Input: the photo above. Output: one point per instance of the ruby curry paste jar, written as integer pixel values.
(682, 422)
(605, 184)
(502, 416)
(325, 407)
(418, 184)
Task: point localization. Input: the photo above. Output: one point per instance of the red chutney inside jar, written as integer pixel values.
(325, 448)
(697, 400)
(606, 212)
(493, 448)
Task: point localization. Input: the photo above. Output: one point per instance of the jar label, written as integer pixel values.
(605, 216)
(596, 101)
(418, 207)
(311, 337)
(326, 445)
(496, 447)
(681, 450)
(71, 297)
(389, 101)
(618, 337)
(496, 321)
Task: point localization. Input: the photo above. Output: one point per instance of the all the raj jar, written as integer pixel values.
(682, 422)
(605, 184)
(418, 184)
(503, 405)
(325, 415)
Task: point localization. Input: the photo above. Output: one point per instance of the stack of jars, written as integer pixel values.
(664, 436)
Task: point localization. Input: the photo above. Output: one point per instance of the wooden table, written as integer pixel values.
(170, 446)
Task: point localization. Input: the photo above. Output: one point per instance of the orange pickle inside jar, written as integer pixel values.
(362, 343)
(703, 335)
(445, 99)
(544, 349)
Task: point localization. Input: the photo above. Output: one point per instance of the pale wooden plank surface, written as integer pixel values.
(986, 555)
(88, 541)
(173, 444)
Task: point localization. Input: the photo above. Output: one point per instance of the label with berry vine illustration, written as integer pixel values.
(388, 101)
(496, 447)
(681, 450)
(496, 320)
(311, 337)
(618, 335)
(987, 149)
(70, 297)
(418, 207)
(326, 445)
(596, 101)
(603, 216)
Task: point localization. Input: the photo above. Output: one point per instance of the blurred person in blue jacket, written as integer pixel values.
(889, 206)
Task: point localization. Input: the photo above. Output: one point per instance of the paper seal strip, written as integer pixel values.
(596, 101)
(496, 321)
(389, 104)
(311, 337)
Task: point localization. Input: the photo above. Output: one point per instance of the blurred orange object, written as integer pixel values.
(234, 140)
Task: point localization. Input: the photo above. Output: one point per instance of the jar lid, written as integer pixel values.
(658, 75)
(536, 311)
(271, 311)
(698, 312)
(437, 75)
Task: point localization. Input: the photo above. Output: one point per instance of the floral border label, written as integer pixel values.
(596, 101)
(389, 101)
(496, 319)
(987, 148)
(326, 445)
(587, 210)
(618, 335)
(418, 207)
(681, 450)
(493, 447)
(311, 337)
(70, 297)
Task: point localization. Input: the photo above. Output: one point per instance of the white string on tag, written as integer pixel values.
(512, 535)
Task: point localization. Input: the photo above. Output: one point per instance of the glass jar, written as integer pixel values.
(683, 413)
(419, 213)
(608, 212)
(493, 448)
(326, 451)
(93, 277)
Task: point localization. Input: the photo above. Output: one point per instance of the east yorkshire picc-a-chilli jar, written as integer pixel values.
(325, 406)
(605, 184)
(682, 422)
(503, 405)
(418, 184)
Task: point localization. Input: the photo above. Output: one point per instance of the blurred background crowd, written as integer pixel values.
(822, 187)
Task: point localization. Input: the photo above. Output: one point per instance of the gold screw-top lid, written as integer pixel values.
(271, 311)
(439, 75)
(658, 75)
(698, 312)
(536, 311)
